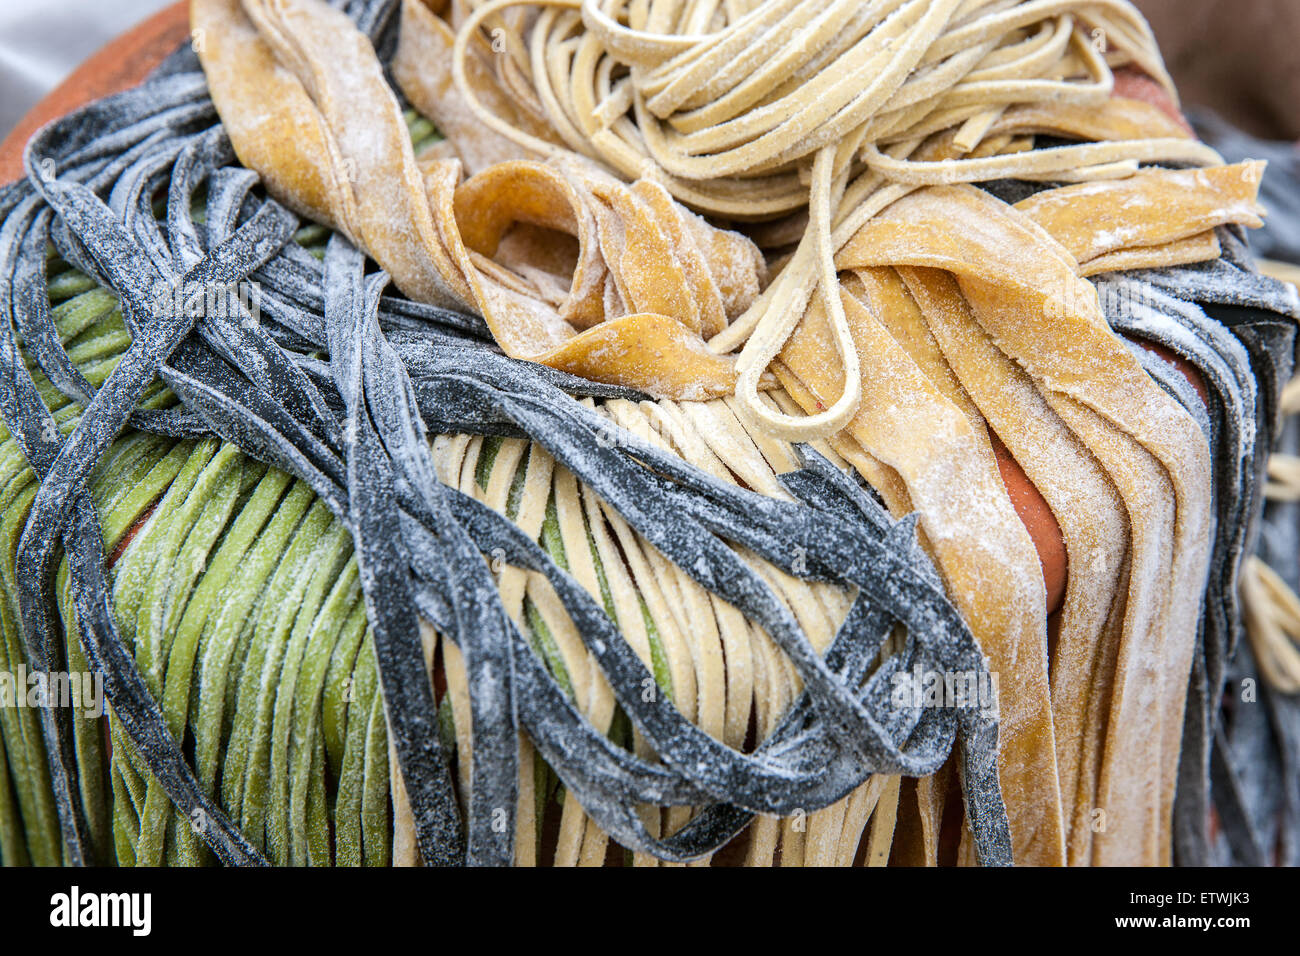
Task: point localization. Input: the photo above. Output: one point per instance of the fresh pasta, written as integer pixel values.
(792, 427)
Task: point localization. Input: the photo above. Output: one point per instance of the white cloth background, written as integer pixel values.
(42, 41)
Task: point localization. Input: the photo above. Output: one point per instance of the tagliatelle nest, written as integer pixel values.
(524, 552)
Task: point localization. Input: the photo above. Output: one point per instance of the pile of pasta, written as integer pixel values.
(876, 229)
(763, 215)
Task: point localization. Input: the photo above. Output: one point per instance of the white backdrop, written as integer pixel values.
(42, 41)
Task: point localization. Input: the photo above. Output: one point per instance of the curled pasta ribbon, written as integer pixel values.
(1272, 613)
(753, 110)
(769, 337)
(546, 251)
(569, 266)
